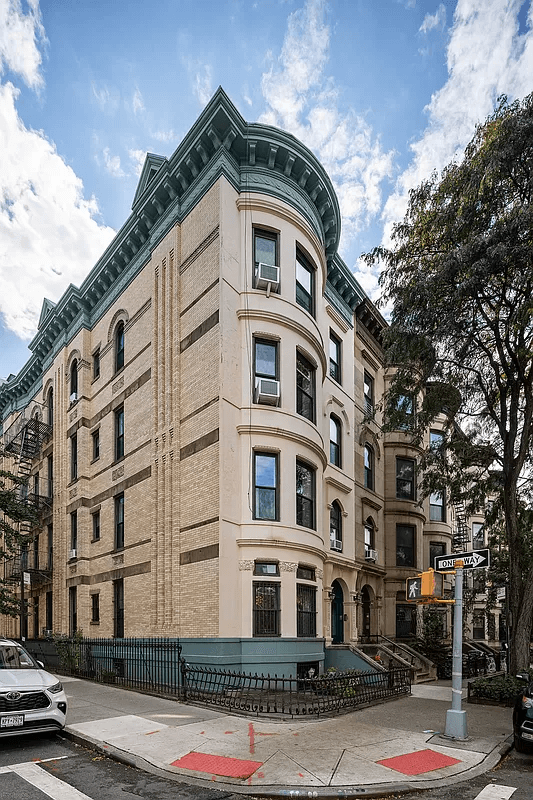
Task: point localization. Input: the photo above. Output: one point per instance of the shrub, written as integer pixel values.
(498, 688)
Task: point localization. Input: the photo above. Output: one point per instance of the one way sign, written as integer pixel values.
(473, 560)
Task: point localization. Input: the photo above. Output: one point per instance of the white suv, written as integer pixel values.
(31, 699)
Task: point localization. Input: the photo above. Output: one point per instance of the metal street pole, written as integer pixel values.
(455, 717)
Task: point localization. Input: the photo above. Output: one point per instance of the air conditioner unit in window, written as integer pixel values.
(72, 553)
(336, 544)
(267, 391)
(267, 275)
(74, 397)
(371, 555)
(46, 632)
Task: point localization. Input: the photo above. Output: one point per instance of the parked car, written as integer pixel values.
(31, 699)
(523, 716)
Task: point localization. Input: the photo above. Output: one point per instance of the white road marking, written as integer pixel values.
(493, 791)
(49, 784)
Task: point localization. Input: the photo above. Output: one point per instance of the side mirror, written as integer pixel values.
(41, 664)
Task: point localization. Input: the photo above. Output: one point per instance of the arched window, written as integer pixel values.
(50, 406)
(370, 540)
(74, 380)
(335, 441)
(119, 346)
(335, 526)
(369, 467)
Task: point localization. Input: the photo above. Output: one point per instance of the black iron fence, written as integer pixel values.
(295, 697)
(156, 666)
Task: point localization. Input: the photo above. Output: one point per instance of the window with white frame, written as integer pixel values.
(405, 479)
(335, 440)
(335, 526)
(437, 507)
(305, 280)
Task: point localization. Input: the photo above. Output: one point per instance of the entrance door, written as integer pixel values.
(365, 599)
(337, 614)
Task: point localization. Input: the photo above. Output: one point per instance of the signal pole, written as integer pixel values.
(455, 717)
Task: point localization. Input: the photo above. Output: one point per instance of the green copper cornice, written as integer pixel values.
(253, 157)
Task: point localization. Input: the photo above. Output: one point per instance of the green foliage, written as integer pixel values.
(68, 651)
(459, 275)
(431, 641)
(498, 688)
(13, 511)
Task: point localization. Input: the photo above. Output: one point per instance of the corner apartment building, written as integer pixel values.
(199, 423)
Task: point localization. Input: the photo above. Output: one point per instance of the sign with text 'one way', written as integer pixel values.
(472, 560)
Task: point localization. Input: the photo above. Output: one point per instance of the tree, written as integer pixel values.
(14, 509)
(459, 275)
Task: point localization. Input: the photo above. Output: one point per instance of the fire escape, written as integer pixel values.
(460, 532)
(24, 440)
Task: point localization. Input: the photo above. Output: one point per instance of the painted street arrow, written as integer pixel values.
(475, 559)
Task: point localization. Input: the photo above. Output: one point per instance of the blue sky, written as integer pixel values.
(383, 91)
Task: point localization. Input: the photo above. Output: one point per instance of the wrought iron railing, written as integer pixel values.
(295, 697)
(156, 666)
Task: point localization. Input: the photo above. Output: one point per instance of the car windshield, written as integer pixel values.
(15, 657)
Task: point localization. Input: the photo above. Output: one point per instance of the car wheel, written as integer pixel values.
(519, 745)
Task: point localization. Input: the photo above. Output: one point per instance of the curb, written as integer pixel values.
(324, 793)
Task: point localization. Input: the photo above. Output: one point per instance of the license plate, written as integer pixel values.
(13, 721)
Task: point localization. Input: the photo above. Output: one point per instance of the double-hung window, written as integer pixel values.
(335, 352)
(96, 444)
(305, 387)
(96, 366)
(369, 467)
(368, 394)
(74, 457)
(370, 538)
(119, 346)
(306, 610)
(74, 533)
(405, 546)
(96, 526)
(119, 521)
(305, 495)
(405, 479)
(266, 371)
(436, 507)
(335, 526)
(478, 536)
(305, 280)
(265, 248)
(266, 601)
(266, 486)
(335, 441)
(119, 433)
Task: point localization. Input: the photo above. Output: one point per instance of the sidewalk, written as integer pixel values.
(387, 748)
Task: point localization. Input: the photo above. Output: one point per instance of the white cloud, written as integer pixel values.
(164, 136)
(49, 235)
(436, 20)
(19, 37)
(137, 102)
(486, 57)
(302, 99)
(137, 157)
(202, 84)
(112, 164)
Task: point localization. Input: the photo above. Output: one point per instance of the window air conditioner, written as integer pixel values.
(72, 553)
(267, 391)
(371, 555)
(46, 632)
(74, 397)
(267, 274)
(336, 544)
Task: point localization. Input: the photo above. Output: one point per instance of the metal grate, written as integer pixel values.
(294, 697)
(26, 702)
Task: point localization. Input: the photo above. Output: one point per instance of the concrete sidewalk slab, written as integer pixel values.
(347, 754)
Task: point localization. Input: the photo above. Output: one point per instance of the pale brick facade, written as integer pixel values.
(197, 556)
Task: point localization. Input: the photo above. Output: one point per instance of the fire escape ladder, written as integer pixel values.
(460, 534)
